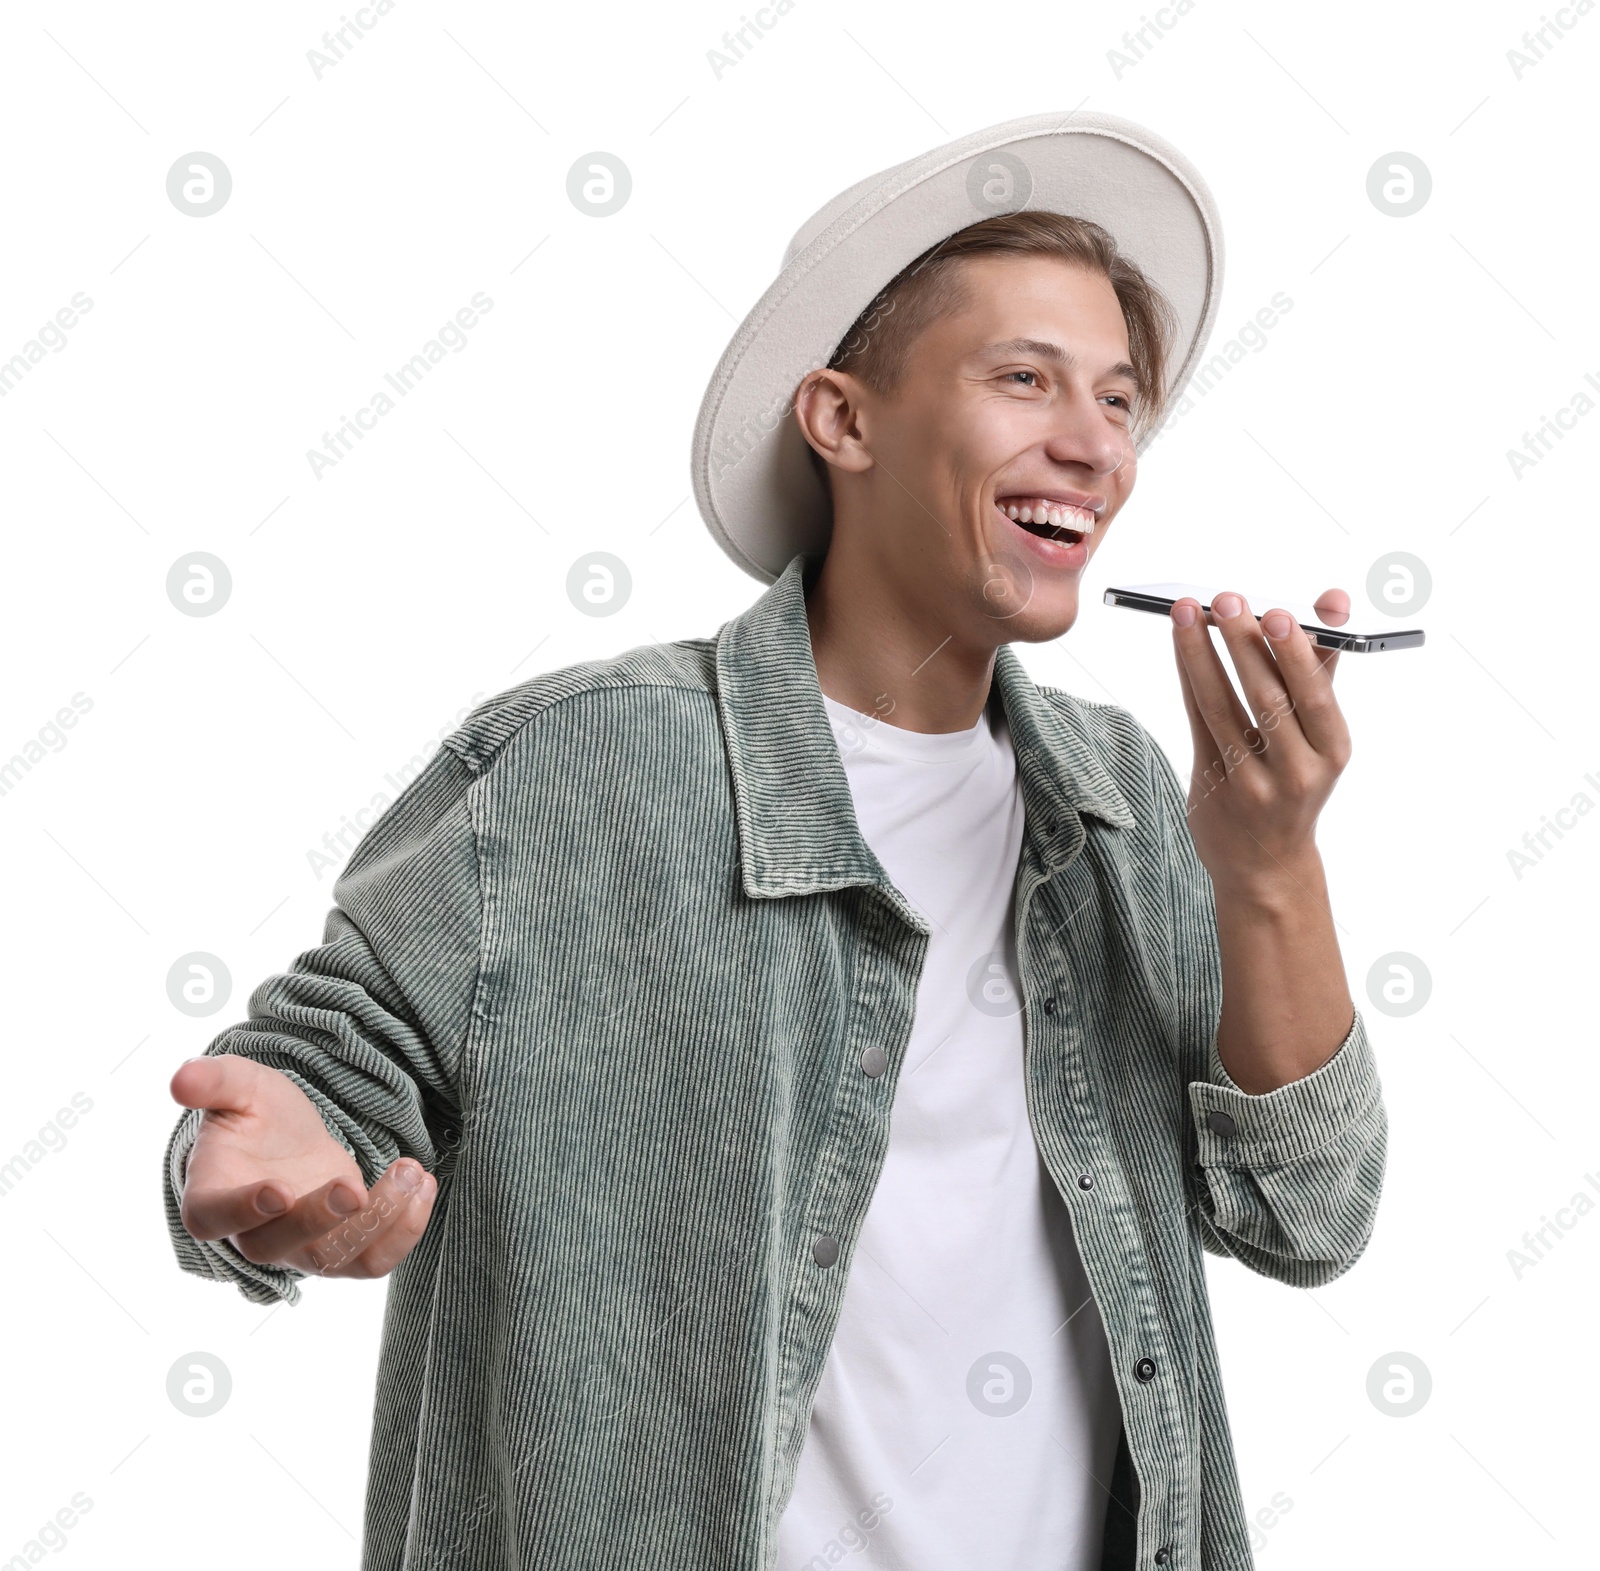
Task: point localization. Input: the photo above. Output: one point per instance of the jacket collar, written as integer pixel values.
(797, 823)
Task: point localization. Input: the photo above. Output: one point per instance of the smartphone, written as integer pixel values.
(1162, 597)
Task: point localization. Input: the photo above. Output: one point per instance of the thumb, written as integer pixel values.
(1333, 606)
(220, 1082)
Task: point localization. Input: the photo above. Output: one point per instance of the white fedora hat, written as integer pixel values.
(757, 490)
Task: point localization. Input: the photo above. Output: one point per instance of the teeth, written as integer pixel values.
(1081, 520)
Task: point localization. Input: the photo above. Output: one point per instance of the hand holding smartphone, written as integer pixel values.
(1161, 598)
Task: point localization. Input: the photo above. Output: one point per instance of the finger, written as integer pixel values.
(1333, 606)
(1199, 732)
(221, 1213)
(280, 1239)
(348, 1250)
(382, 1253)
(336, 1251)
(1307, 673)
(1221, 712)
(1209, 768)
(1264, 686)
(221, 1082)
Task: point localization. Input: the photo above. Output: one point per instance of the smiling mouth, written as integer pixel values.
(1048, 517)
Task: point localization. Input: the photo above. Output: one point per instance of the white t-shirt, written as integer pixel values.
(967, 1406)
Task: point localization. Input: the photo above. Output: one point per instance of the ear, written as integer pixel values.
(827, 408)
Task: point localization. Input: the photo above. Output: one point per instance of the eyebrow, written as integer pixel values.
(1045, 350)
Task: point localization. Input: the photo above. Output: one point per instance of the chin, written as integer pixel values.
(1024, 607)
(1042, 622)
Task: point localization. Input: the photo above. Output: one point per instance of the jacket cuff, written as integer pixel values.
(1238, 1129)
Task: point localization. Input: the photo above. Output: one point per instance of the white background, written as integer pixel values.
(370, 606)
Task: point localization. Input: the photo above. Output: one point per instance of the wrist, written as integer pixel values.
(1275, 888)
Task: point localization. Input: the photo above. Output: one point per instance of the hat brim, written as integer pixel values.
(755, 485)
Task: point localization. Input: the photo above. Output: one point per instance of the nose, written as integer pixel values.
(1084, 434)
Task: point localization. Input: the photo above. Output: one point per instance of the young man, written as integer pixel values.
(797, 1072)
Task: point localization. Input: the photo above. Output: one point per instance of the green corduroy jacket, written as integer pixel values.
(608, 967)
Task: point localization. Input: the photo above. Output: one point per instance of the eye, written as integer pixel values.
(1033, 374)
(1122, 400)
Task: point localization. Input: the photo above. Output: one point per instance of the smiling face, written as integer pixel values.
(983, 483)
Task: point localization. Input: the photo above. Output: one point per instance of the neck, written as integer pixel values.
(887, 654)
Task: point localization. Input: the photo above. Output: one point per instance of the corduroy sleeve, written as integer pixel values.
(1287, 1181)
(370, 1024)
